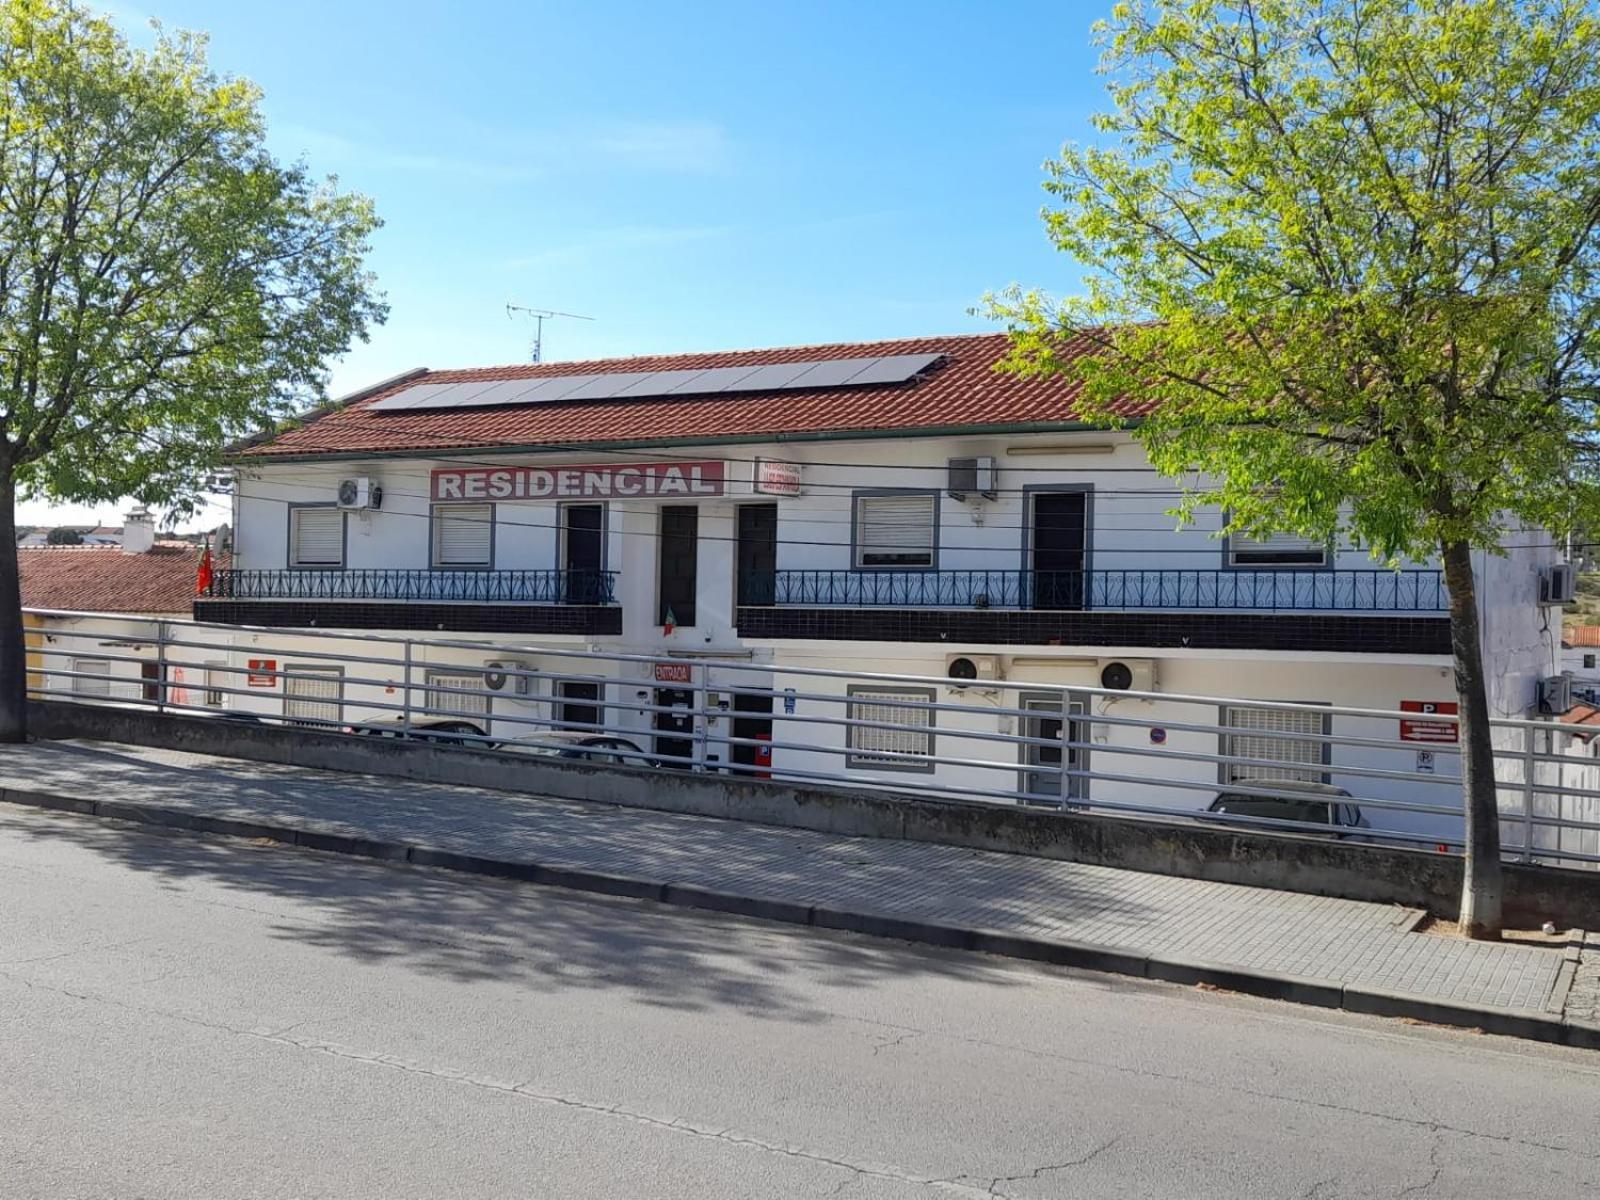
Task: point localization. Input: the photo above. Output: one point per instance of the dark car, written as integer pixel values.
(451, 731)
(1293, 800)
(586, 747)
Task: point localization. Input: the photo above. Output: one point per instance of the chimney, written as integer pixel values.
(138, 532)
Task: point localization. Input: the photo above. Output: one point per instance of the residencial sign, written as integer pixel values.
(259, 676)
(599, 481)
(774, 478)
(674, 673)
(1414, 729)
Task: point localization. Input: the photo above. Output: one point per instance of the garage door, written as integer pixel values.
(313, 693)
(1300, 759)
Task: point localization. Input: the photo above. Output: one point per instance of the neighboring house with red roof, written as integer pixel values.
(896, 507)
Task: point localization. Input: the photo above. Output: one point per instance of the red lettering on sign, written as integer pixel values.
(674, 673)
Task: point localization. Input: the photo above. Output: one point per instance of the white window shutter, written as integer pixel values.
(1301, 759)
(1276, 547)
(895, 529)
(891, 747)
(318, 538)
(463, 535)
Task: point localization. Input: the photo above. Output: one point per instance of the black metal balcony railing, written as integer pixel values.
(1251, 590)
(448, 587)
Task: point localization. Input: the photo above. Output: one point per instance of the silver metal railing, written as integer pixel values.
(1147, 754)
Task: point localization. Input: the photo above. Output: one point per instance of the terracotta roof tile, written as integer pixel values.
(1581, 635)
(104, 579)
(964, 390)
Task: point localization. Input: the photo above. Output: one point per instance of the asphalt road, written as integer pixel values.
(187, 1017)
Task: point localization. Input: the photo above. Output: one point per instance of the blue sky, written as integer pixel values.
(693, 176)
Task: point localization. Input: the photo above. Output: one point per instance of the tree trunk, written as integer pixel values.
(13, 651)
(1481, 877)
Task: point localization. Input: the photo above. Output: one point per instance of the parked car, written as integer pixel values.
(1294, 800)
(453, 731)
(586, 747)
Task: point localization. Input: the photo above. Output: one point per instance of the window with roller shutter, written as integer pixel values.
(896, 529)
(316, 536)
(463, 535)
(1276, 550)
(909, 746)
(1305, 760)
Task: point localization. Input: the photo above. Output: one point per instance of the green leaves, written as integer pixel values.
(165, 285)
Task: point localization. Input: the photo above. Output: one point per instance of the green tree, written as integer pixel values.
(63, 536)
(1346, 251)
(165, 285)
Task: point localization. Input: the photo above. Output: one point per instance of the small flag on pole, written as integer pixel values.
(670, 623)
(203, 573)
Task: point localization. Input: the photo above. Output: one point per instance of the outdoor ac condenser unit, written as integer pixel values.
(359, 493)
(965, 670)
(1128, 674)
(1558, 584)
(1555, 695)
(972, 476)
(498, 677)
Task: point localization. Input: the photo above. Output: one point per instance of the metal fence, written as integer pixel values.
(442, 585)
(1147, 754)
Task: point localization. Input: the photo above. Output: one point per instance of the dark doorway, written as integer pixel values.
(1058, 543)
(752, 718)
(583, 556)
(675, 728)
(578, 704)
(758, 554)
(150, 678)
(678, 579)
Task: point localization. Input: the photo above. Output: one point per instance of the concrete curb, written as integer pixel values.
(1117, 960)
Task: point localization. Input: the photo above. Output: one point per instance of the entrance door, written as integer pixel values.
(674, 739)
(1044, 780)
(752, 719)
(1058, 540)
(758, 555)
(582, 553)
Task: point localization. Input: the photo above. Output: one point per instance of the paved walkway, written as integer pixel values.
(1339, 941)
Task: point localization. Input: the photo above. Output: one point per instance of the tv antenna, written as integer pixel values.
(535, 350)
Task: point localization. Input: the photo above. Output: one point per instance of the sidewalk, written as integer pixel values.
(1336, 953)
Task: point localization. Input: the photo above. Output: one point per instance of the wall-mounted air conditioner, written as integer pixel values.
(1555, 695)
(1558, 584)
(360, 492)
(1128, 674)
(966, 670)
(498, 676)
(972, 476)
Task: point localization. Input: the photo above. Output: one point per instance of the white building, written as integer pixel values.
(888, 507)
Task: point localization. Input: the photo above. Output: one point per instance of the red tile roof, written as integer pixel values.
(104, 579)
(1581, 635)
(962, 391)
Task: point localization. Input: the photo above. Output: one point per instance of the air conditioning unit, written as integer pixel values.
(1555, 695)
(1128, 674)
(360, 493)
(498, 677)
(964, 670)
(972, 476)
(1558, 584)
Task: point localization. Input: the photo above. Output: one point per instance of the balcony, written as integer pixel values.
(1241, 590)
(438, 587)
(581, 603)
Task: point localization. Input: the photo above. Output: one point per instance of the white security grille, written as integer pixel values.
(471, 702)
(316, 696)
(98, 682)
(896, 530)
(316, 537)
(870, 746)
(463, 535)
(1303, 760)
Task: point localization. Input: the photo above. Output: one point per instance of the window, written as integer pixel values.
(678, 579)
(1275, 550)
(457, 693)
(1300, 759)
(463, 535)
(896, 529)
(897, 749)
(216, 680)
(316, 536)
(578, 705)
(92, 677)
(313, 694)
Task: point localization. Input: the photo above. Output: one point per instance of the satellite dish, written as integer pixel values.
(1116, 676)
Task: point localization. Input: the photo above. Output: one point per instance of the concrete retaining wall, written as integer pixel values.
(1294, 863)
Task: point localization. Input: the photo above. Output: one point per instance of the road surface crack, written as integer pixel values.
(1025, 1176)
(1434, 1153)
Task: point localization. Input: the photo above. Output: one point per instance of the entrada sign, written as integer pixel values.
(602, 481)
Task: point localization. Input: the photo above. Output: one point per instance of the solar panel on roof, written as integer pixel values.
(710, 381)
